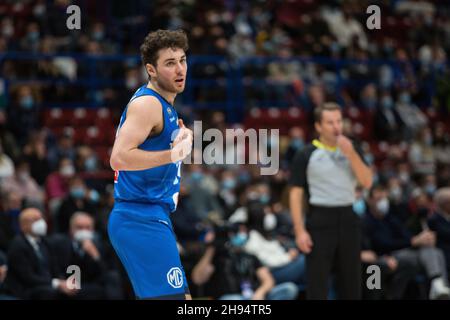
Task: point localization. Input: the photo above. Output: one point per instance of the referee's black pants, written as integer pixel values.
(336, 236)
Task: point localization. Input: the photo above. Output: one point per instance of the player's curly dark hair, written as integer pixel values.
(161, 39)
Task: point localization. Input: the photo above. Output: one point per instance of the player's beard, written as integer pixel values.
(168, 86)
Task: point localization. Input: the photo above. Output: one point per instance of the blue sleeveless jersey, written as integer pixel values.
(161, 184)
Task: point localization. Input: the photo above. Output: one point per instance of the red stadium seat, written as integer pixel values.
(103, 153)
(84, 117)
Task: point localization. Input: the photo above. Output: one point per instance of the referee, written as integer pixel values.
(324, 176)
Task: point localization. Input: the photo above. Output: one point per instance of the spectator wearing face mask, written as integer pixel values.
(35, 152)
(32, 268)
(227, 193)
(57, 183)
(296, 143)
(81, 247)
(390, 237)
(24, 185)
(23, 114)
(79, 198)
(387, 122)
(421, 153)
(3, 273)
(439, 222)
(398, 199)
(227, 272)
(9, 219)
(63, 149)
(6, 164)
(285, 264)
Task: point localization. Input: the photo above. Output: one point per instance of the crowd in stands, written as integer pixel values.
(233, 225)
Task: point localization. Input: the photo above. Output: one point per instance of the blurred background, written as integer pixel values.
(251, 64)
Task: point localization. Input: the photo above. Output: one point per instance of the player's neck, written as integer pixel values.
(170, 97)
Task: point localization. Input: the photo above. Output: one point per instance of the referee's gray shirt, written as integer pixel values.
(325, 174)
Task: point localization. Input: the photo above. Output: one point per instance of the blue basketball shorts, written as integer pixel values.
(142, 236)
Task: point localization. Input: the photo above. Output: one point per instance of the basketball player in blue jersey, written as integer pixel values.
(150, 144)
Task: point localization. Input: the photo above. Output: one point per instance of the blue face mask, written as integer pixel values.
(90, 164)
(33, 36)
(265, 198)
(430, 189)
(229, 183)
(77, 192)
(94, 196)
(27, 102)
(387, 103)
(370, 103)
(405, 98)
(196, 176)
(98, 35)
(297, 143)
(359, 207)
(244, 177)
(369, 158)
(335, 47)
(239, 239)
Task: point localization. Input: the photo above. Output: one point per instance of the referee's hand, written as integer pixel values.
(346, 145)
(303, 241)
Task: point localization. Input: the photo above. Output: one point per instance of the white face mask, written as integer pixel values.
(39, 228)
(270, 222)
(84, 234)
(67, 171)
(383, 206)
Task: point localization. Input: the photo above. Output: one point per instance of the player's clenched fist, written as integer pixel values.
(182, 144)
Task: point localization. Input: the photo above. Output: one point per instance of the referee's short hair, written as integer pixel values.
(327, 106)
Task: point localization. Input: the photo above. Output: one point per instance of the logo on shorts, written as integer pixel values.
(175, 277)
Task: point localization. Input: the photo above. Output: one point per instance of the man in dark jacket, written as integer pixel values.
(83, 249)
(33, 272)
(440, 222)
(390, 237)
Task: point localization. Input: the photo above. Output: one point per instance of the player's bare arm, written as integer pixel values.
(143, 115)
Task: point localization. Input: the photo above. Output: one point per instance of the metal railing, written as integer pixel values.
(230, 82)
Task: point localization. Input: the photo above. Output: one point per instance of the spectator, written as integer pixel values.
(286, 265)
(35, 152)
(24, 185)
(412, 117)
(9, 219)
(64, 149)
(296, 143)
(439, 222)
(33, 271)
(82, 248)
(23, 117)
(7, 139)
(346, 28)
(387, 122)
(57, 184)
(3, 273)
(78, 199)
(389, 236)
(421, 154)
(6, 164)
(229, 273)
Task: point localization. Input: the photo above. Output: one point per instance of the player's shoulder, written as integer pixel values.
(145, 104)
